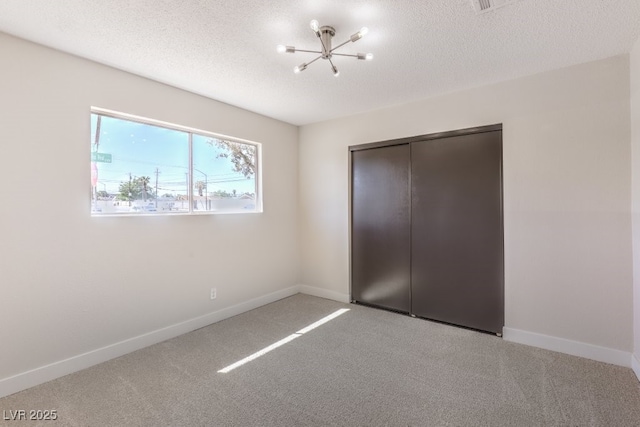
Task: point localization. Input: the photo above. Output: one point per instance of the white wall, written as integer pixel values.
(635, 166)
(568, 271)
(70, 283)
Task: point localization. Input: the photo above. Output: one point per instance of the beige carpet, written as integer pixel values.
(366, 367)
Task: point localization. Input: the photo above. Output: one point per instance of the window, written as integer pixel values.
(139, 166)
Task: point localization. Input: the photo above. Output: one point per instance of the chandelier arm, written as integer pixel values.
(340, 45)
(344, 54)
(308, 51)
(314, 60)
(333, 67)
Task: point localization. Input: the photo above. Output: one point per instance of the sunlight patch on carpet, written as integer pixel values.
(283, 341)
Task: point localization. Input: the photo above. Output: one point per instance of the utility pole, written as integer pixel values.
(129, 189)
(157, 173)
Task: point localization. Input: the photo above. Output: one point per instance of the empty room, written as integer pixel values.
(347, 213)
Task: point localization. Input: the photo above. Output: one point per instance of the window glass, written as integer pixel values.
(224, 175)
(141, 168)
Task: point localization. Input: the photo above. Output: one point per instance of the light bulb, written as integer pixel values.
(336, 73)
(281, 48)
(299, 68)
(357, 36)
(368, 56)
(314, 25)
(296, 69)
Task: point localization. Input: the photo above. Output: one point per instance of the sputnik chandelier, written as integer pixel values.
(325, 34)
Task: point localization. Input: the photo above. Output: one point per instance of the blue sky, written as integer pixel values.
(141, 149)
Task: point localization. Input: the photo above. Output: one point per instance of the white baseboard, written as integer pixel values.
(574, 348)
(61, 368)
(635, 365)
(324, 293)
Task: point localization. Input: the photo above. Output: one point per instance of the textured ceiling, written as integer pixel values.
(225, 50)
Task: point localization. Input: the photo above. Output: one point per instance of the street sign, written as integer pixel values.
(101, 157)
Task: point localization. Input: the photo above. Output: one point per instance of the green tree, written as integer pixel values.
(142, 183)
(242, 156)
(135, 189)
(127, 191)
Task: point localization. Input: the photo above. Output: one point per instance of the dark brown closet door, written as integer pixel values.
(380, 240)
(457, 233)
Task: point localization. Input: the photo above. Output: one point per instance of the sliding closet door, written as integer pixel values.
(380, 240)
(457, 244)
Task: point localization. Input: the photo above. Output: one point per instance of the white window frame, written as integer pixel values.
(190, 131)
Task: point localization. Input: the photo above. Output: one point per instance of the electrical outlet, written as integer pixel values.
(213, 293)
